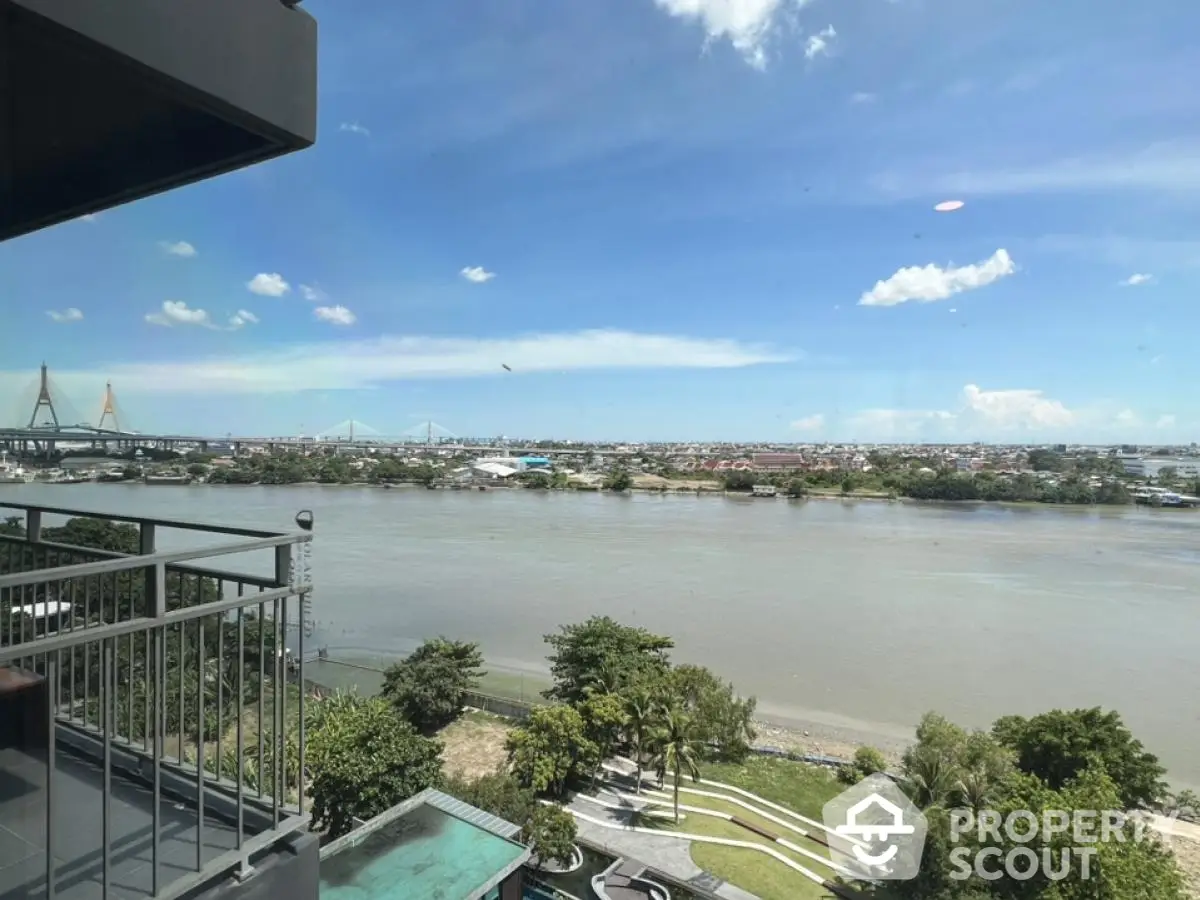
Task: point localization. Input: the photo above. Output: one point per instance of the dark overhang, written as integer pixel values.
(107, 101)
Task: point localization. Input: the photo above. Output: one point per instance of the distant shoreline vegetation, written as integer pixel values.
(1044, 477)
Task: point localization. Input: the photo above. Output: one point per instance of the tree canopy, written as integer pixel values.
(364, 759)
(551, 749)
(428, 686)
(951, 772)
(1059, 745)
(602, 653)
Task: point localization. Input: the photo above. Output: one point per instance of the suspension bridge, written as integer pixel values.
(44, 415)
(45, 408)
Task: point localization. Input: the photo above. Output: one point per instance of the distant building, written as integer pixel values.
(777, 462)
(1150, 466)
(533, 462)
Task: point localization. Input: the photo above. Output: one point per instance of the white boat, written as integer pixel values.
(10, 473)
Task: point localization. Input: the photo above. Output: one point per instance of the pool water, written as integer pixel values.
(426, 853)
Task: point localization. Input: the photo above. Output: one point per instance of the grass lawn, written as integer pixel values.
(798, 786)
(513, 685)
(755, 872)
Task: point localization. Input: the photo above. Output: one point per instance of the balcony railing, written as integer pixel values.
(151, 710)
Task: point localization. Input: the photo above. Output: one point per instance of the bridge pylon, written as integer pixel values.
(109, 411)
(44, 400)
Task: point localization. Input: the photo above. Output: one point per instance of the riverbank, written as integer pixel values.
(804, 736)
(665, 487)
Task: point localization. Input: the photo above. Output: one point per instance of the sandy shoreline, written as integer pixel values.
(824, 740)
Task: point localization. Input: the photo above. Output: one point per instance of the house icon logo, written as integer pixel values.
(875, 832)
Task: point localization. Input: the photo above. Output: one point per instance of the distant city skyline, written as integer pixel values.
(660, 219)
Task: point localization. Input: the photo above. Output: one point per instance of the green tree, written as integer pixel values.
(551, 749)
(867, 762)
(1046, 461)
(1058, 745)
(428, 686)
(944, 759)
(721, 721)
(550, 832)
(641, 721)
(498, 793)
(797, 487)
(949, 766)
(602, 648)
(618, 480)
(740, 480)
(678, 751)
(363, 759)
(114, 537)
(603, 717)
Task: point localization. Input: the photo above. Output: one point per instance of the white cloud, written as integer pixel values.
(240, 318)
(746, 24)
(335, 315)
(1023, 409)
(347, 365)
(355, 128)
(862, 97)
(926, 284)
(312, 293)
(814, 422)
(1127, 418)
(1165, 421)
(981, 414)
(477, 274)
(176, 312)
(818, 44)
(90, 217)
(178, 248)
(268, 285)
(71, 314)
(1137, 278)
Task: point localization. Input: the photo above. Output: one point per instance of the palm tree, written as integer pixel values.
(678, 750)
(930, 777)
(607, 679)
(977, 789)
(641, 719)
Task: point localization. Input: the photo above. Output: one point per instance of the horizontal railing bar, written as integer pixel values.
(231, 859)
(79, 637)
(222, 574)
(139, 520)
(131, 563)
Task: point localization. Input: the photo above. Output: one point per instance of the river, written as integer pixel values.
(851, 615)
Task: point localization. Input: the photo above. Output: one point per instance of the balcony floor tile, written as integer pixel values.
(78, 831)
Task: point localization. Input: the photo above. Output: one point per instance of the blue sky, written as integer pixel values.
(672, 219)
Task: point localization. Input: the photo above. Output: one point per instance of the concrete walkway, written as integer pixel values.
(669, 855)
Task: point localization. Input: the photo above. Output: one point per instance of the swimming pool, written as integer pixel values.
(425, 853)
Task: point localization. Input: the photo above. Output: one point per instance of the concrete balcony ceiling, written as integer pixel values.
(107, 101)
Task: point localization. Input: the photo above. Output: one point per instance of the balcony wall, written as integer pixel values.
(151, 732)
